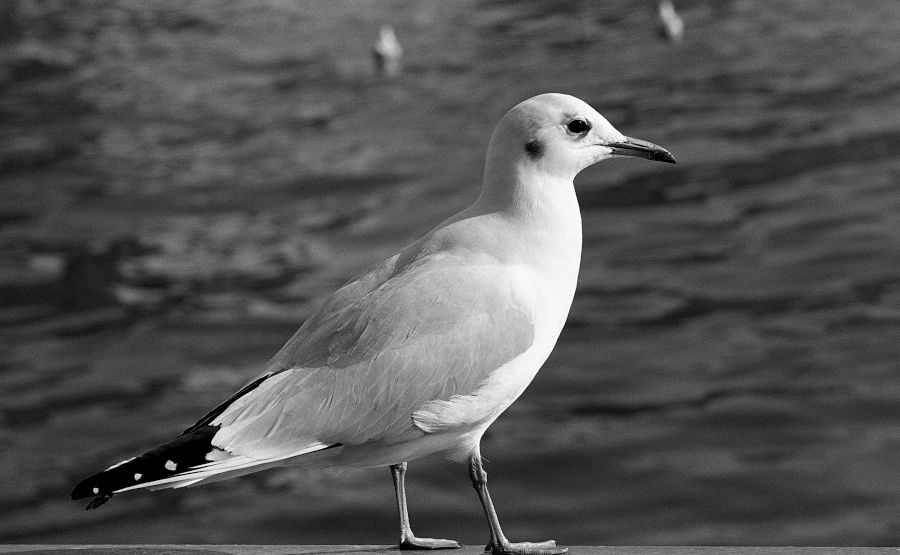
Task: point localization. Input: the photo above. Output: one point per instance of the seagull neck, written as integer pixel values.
(529, 194)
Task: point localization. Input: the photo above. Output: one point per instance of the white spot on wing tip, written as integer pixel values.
(171, 465)
(96, 491)
(137, 476)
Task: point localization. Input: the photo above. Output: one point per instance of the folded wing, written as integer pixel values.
(379, 350)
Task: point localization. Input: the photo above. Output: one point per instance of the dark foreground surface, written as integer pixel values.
(181, 184)
(379, 549)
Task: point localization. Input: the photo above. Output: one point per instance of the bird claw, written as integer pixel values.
(548, 547)
(412, 542)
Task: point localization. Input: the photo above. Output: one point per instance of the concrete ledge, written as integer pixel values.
(36, 549)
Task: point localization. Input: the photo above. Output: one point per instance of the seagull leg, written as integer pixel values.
(499, 545)
(407, 539)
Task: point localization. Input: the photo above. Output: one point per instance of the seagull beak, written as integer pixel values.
(641, 149)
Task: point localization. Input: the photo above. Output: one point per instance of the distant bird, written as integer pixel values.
(387, 52)
(421, 353)
(671, 25)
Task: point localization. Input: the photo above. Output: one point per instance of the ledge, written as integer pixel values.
(187, 549)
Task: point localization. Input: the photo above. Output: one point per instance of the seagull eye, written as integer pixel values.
(578, 126)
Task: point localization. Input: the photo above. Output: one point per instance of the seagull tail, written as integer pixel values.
(187, 460)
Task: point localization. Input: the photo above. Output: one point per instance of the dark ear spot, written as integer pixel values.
(534, 148)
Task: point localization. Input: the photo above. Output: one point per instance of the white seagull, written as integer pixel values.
(422, 352)
(387, 52)
(671, 25)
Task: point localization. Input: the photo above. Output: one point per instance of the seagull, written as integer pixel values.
(387, 52)
(424, 350)
(671, 25)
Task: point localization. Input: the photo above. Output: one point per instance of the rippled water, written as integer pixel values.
(182, 185)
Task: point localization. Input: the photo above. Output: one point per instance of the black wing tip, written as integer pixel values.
(185, 451)
(89, 488)
(102, 485)
(85, 488)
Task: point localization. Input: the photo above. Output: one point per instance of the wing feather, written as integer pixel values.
(400, 337)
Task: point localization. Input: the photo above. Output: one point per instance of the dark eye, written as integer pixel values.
(578, 126)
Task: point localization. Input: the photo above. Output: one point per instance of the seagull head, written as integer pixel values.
(560, 135)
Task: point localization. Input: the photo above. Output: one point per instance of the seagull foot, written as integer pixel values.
(412, 542)
(548, 547)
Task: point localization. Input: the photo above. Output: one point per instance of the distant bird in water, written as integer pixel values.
(387, 52)
(671, 25)
(421, 353)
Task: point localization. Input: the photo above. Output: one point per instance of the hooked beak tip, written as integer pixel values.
(666, 156)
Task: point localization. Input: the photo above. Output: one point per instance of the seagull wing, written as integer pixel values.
(384, 346)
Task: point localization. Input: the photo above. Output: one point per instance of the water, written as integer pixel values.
(181, 186)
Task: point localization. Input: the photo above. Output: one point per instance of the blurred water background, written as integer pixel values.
(183, 182)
